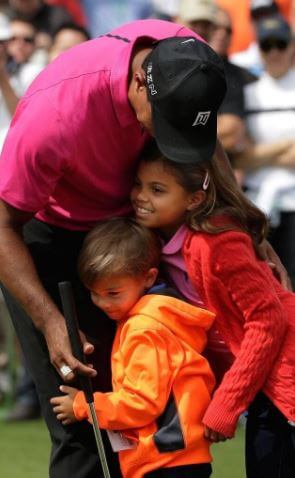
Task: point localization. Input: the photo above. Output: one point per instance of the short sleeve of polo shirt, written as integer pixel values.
(34, 156)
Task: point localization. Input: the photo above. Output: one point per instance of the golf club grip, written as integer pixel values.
(70, 314)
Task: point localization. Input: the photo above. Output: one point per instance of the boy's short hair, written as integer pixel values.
(118, 246)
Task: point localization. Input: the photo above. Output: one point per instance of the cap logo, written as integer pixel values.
(188, 41)
(201, 118)
(149, 79)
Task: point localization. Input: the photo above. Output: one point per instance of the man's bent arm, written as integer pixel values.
(18, 274)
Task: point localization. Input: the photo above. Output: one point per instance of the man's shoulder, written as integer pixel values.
(151, 28)
(83, 68)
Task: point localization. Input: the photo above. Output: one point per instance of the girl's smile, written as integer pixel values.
(141, 210)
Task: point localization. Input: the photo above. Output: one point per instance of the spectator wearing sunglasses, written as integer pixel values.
(251, 58)
(16, 70)
(45, 18)
(270, 107)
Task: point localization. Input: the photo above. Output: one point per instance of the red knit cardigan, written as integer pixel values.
(256, 318)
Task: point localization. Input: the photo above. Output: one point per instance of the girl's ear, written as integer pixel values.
(196, 199)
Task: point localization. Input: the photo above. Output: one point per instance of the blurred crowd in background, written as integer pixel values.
(256, 123)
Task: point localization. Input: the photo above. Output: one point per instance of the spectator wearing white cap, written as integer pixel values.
(198, 15)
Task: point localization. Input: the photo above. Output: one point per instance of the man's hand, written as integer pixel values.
(63, 405)
(214, 436)
(18, 274)
(268, 254)
(61, 355)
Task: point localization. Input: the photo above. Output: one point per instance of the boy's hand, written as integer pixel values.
(63, 405)
(214, 436)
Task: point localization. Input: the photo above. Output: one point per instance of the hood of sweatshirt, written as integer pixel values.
(189, 323)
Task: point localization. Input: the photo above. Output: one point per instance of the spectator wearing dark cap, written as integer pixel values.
(270, 108)
(251, 58)
(198, 15)
(240, 14)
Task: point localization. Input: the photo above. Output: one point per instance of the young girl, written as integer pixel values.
(211, 237)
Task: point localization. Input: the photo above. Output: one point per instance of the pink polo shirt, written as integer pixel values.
(71, 152)
(175, 267)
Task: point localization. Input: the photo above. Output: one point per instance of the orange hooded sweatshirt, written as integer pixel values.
(162, 386)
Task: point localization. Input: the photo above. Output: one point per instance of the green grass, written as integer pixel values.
(25, 447)
(228, 457)
(24, 450)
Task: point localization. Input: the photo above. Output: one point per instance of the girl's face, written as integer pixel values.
(158, 200)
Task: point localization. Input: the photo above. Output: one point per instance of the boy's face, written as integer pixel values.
(117, 294)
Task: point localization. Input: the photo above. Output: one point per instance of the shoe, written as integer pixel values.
(21, 412)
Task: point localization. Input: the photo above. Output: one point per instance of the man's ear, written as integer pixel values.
(139, 79)
(196, 199)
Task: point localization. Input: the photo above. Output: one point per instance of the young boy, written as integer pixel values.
(161, 382)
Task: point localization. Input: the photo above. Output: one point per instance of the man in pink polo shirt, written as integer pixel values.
(69, 161)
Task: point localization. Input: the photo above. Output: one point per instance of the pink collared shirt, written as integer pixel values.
(71, 152)
(175, 267)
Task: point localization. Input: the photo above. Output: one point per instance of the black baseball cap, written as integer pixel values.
(186, 85)
(274, 27)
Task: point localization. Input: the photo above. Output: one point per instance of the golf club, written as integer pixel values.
(70, 314)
